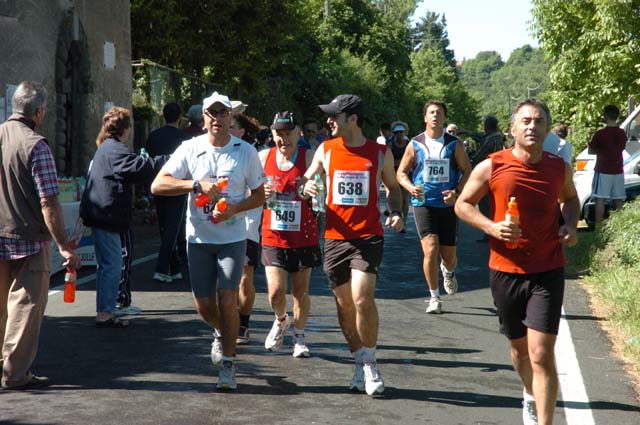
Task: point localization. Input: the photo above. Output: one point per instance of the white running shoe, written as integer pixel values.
(176, 276)
(130, 310)
(276, 335)
(300, 348)
(243, 336)
(450, 281)
(435, 306)
(161, 277)
(216, 351)
(529, 414)
(227, 376)
(357, 382)
(372, 380)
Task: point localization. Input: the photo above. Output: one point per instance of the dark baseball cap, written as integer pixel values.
(284, 121)
(349, 103)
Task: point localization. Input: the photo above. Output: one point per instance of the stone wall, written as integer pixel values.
(62, 44)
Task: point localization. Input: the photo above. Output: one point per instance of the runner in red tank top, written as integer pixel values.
(354, 167)
(290, 242)
(527, 281)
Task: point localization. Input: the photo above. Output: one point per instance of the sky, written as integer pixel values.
(483, 25)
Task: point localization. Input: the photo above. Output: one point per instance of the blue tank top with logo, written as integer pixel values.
(435, 169)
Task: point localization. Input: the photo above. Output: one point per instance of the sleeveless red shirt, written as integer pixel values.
(536, 188)
(352, 188)
(293, 224)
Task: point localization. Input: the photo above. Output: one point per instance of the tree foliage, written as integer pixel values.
(594, 49)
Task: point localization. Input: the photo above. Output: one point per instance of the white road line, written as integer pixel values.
(91, 277)
(572, 387)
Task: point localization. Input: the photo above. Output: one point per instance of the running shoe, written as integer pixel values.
(357, 382)
(435, 305)
(161, 277)
(450, 281)
(372, 380)
(300, 348)
(176, 276)
(529, 415)
(216, 351)
(243, 336)
(130, 310)
(276, 335)
(227, 377)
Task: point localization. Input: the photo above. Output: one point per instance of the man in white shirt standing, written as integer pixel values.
(216, 235)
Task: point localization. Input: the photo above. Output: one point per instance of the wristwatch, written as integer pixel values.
(301, 191)
(196, 186)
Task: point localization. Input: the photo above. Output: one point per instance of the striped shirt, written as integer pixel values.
(45, 179)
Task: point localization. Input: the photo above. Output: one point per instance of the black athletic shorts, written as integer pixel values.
(528, 301)
(363, 254)
(437, 221)
(252, 254)
(291, 259)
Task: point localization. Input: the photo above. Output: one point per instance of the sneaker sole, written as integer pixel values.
(303, 355)
(377, 390)
(439, 311)
(242, 341)
(226, 387)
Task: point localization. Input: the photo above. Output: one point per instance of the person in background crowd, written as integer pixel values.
(527, 279)
(245, 128)
(385, 134)
(311, 138)
(196, 123)
(107, 205)
(30, 214)
(452, 129)
(557, 144)
(289, 234)
(161, 143)
(398, 144)
(216, 235)
(434, 169)
(353, 232)
(608, 180)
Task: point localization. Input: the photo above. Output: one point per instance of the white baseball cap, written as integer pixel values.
(216, 98)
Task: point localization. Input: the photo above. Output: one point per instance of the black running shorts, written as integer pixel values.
(363, 254)
(437, 221)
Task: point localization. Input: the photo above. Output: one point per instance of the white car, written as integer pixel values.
(585, 163)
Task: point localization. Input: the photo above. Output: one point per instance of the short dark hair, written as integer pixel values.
(491, 122)
(171, 112)
(561, 131)
(439, 103)
(310, 121)
(611, 112)
(537, 103)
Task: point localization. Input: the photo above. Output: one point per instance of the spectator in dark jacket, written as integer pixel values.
(106, 206)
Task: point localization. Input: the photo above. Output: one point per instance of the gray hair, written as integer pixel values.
(195, 113)
(28, 98)
(536, 103)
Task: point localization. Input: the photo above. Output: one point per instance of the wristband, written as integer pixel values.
(399, 213)
(301, 191)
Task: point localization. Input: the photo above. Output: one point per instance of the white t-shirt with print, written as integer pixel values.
(197, 159)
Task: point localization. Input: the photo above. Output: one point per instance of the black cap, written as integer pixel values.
(349, 103)
(284, 121)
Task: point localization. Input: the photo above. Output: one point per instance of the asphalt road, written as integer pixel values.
(448, 369)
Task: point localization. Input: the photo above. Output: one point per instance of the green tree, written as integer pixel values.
(594, 49)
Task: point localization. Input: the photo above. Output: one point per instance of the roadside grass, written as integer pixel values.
(610, 264)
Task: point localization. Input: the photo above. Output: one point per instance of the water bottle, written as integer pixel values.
(221, 206)
(420, 195)
(319, 200)
(70, 285)
(271, 200)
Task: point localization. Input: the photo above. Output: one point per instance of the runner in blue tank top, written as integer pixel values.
(440, 166)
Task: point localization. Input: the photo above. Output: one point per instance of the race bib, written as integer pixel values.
(350, 187)
(285, 216)
(436, 170)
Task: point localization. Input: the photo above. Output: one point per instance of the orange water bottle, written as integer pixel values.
(70, 285)
(221, 206)
(201, 200)
(512, 216)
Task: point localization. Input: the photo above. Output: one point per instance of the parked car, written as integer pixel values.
(585, 163)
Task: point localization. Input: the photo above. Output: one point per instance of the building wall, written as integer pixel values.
(44, 40)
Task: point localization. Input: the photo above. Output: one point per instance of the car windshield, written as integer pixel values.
(631, 158)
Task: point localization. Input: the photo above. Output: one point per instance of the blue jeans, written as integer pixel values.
(109, 259)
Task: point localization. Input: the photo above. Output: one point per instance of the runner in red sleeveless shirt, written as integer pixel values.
(354, 167)
(527, 282)
(290, 243)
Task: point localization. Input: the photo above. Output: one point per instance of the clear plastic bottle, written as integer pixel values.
(319, 200)
(420, 189)
(512, 216)
(271, 200)
(143, 153)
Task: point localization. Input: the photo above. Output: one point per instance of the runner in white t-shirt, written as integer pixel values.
(216, 237)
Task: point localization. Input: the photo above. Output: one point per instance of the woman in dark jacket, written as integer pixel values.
(106, 206)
